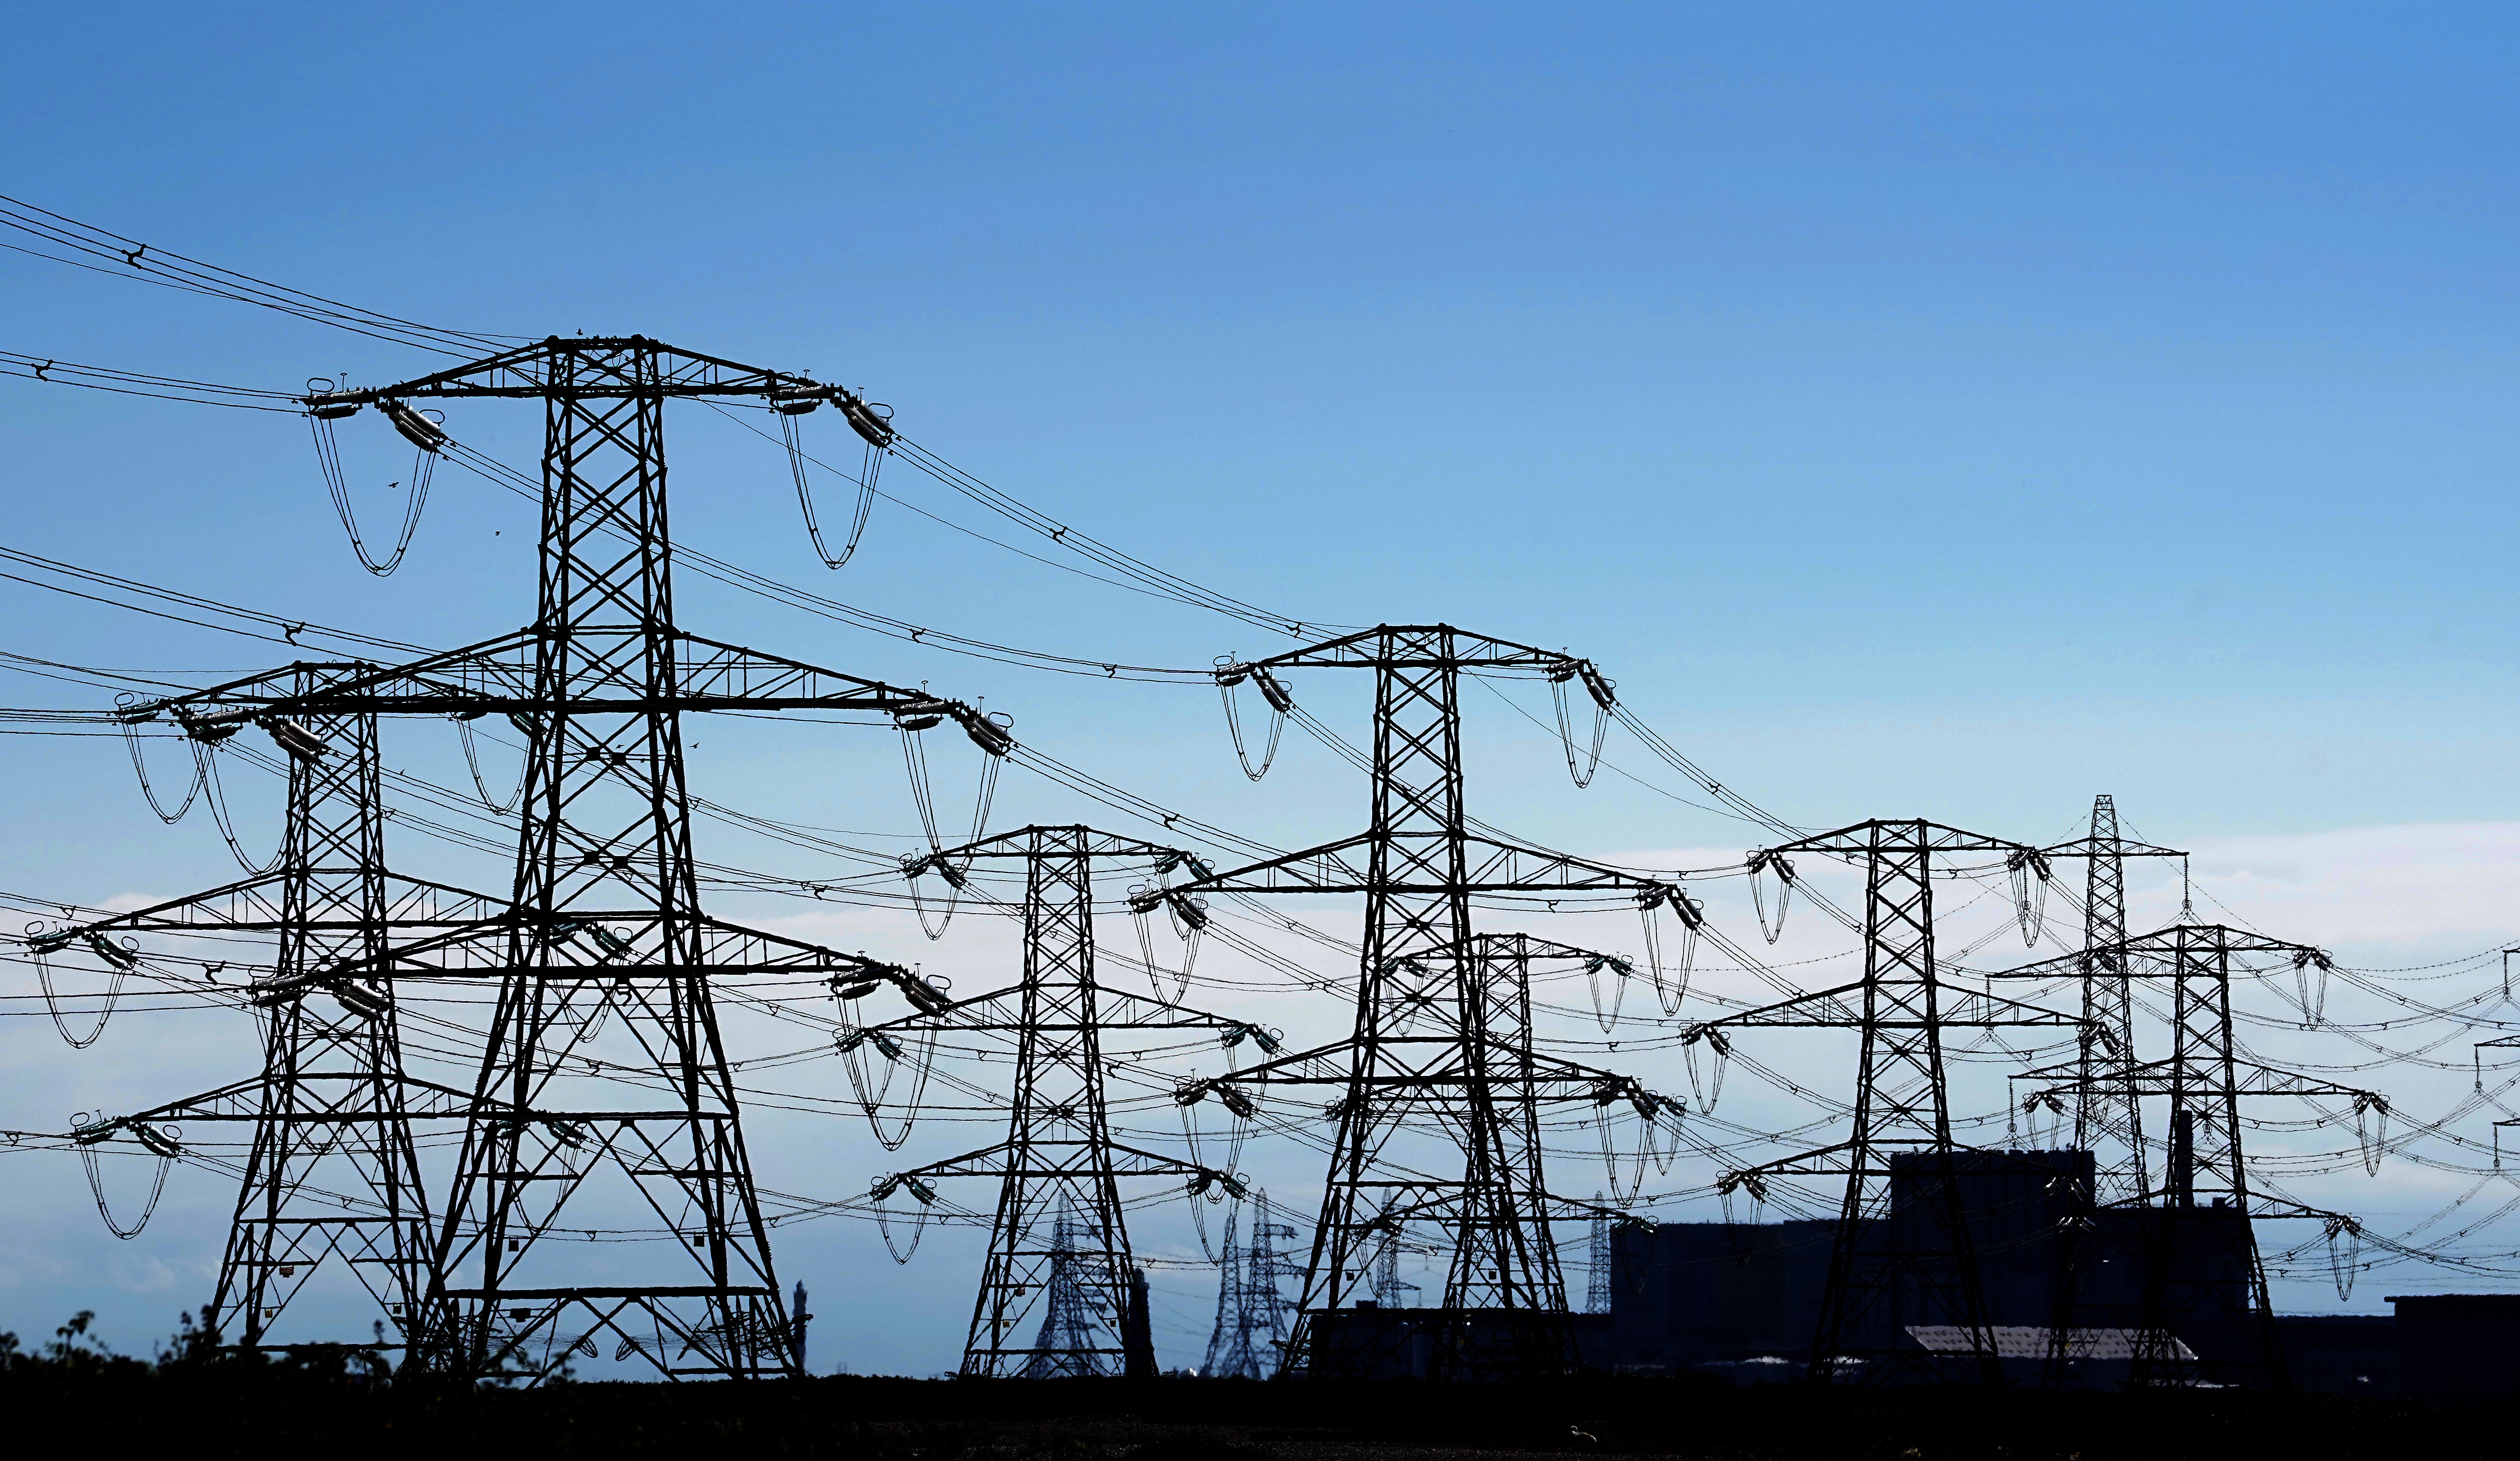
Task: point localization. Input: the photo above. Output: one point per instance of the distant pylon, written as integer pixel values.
(1252, 1304)
(1058, 1156)
(1081, 1324)
(1423, 1052)
(1892, 1274)
(1597, 1264)
(2206, 1315)
(1223, 1343)
(2108, 1117)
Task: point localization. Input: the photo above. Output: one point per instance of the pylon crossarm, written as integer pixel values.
(2163, 945)
(729, 676)
(1492, 867)
(454, 681)
(480, 948)
(1812, 1163)
(2174, 1076)
(1368, 649)
(1859, 841)
(524, 373)
(1330, 872)
(1831, 1009)
(958, 1014)
(242, 1101)
(1551, 1078)
(249, 911)
(1019, 846)
(988, 1162)
(2101, 847)
(1817, 1007)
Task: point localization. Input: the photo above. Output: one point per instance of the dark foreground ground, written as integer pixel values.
(206, 1406)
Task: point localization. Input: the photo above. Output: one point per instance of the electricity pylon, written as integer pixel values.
(1422, 1046)
(604, 1058)
(1251, 1302)
(1887, 1277)
(2109, 1119)
(2202, 1268)
(1226, 1351)
(332, 1172)
(1059, 1167)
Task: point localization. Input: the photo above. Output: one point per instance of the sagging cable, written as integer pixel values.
(1604, 699)
(428, 436)
(1710, 1089)
(87, 1132)
(2029, 895)
(473, 763)
(794, 402)
(2313, 991)
(121, 958)
(1766, 861)
(1231, 673)
(882, 1190)
(871, 1094)
(1671, 984)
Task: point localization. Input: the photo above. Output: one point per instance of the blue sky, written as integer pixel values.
(1920, 410)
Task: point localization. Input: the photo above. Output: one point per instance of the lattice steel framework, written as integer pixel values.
(1887, 1277)
(2202, 1224)
(332, 1172)
(604, 927)
(1059, 1214)
(1422, 1045)
(2109, 1119)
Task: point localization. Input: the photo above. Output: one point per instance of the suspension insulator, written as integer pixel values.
(871, 421)
(415, 428)
(990, 733)
(299, 742)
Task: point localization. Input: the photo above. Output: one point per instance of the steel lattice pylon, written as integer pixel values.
(2205, 1281)
(1423, 1045)
(333, 1107)
(1252, 1304)
(1059, 1168)
(2109, 1119)
(603, 936)
(332, 1094)
(1888, 1277)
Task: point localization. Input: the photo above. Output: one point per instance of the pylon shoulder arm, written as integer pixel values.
(525, 372)
(1363, 649)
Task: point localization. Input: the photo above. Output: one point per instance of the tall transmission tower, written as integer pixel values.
(1226, 1353)
(604, 1078)
(1268, 1309)
(2204, 1278)
(332, 1175)
(1251, 1302)
(1597, 1265)
(1422, 1045)
(1059, 1210)
(2109, 1119)
(1887, 1277)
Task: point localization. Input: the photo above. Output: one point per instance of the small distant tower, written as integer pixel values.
(1223, 1342)
(1076, 1331)
(1597, 1265)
